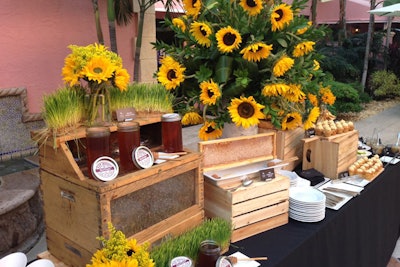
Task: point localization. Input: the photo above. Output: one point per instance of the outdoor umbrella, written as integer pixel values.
(387, 11)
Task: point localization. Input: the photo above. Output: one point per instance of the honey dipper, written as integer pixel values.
(235, 260)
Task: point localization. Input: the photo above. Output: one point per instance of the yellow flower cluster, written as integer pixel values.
(94, 64)
(241, 61)
(118, 251)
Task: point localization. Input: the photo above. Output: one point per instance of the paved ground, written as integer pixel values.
(387, 123)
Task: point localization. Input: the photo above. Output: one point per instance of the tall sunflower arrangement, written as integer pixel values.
(95, 69)
(240, 61)
(119, 251)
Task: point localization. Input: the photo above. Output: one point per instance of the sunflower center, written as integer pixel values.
(290, 119)
(251, 3)
(210, 93)
(246, 110)
(280, 13)
(210, 129)
(171, 75)
(194, 3)
(203, 32)
(97, 70)
(229, 39)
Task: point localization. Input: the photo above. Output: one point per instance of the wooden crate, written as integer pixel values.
(253, 209)
(330, 155)
(289, 145)
(148, 205)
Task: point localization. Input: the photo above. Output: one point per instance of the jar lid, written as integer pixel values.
(181, 261)
(170, 117)
(128, 126)
(223, 261)
(142, 157)
(97, 131)
(105, 169)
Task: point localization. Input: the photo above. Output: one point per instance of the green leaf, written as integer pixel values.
(282, 42)
(223, 69)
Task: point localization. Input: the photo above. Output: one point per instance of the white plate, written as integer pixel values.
(41, 263)
(306, 195)
(363, 153)
(363, 146)
(388, 159)
(16, 259)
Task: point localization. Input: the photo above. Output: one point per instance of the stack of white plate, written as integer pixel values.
(306, 204)
(292, 175)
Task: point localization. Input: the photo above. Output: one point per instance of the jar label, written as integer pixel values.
(142, 157)
(181, 262)
(105, 169)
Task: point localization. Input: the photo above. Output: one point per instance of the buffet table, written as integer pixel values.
(362, 233)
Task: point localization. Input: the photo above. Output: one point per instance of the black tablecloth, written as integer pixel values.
(363, 233)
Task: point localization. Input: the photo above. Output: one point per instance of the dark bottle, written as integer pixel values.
(171, 132)
(128, 140)
(97, 145)
(209, 252)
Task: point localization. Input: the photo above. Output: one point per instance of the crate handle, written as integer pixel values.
(67, 195)
(308, 155)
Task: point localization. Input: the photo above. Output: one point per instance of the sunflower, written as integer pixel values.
(192, 7)
(179, 23)
(210, 92)
(209, 131)
(228, 39)
(257, 51)
(98, 69)
(170, 73)
(304, 29)
(275, 89)
(283, 64)
(201, 32)
(281, 16)
(313, 99)
(312, 118)
(191, 118)
(294, 94)
(70, 72)
(253, 7)
(327, 96)
(303, 48)
(316, 65)
(245, 111)
(291, 121)
(121, 79)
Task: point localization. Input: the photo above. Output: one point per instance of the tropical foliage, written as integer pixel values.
(242, 61)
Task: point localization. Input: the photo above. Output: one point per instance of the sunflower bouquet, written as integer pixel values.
(240, 61)
(119, 251)
(96, 69)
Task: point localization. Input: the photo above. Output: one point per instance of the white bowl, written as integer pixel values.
(17, 259)
(41, 263)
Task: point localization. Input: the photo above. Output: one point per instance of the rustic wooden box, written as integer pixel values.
(253, 209)
(289, 145)
(148, 205)
(330, 155)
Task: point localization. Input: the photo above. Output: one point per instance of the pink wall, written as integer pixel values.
(34, 39)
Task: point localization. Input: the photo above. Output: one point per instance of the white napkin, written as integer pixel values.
(240, 255)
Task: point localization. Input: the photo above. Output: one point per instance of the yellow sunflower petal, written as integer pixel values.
(201, 32)
(283, 64)
(171, 73)
(291, 121)
(257, 51)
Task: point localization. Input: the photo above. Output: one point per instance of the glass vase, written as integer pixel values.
(98, 106)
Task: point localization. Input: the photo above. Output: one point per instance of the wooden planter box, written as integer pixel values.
(148, 205)
(289, 145)
(259, 207)
(330, 155)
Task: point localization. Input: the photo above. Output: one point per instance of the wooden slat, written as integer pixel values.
(259, 227)
(237, 151)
